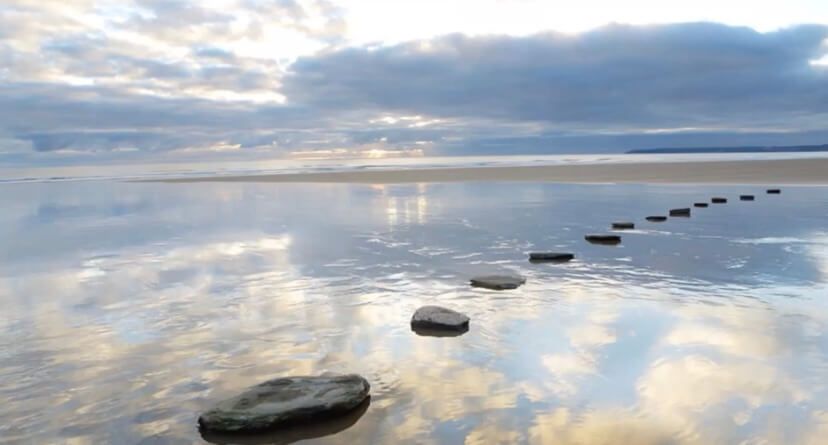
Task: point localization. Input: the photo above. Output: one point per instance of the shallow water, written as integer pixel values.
(137, 170)
(129, 308)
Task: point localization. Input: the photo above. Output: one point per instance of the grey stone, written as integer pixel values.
(623, 225)
(718, 200)
(746, 197)
(603, 239)
(551, 256)
(498, 282)
(439, 318)
(680, 212)
(656, 218)
(286, 401)
(700, 204)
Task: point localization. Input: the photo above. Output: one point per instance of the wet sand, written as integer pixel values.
(788, 171)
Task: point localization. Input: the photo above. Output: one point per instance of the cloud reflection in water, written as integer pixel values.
(129, 308)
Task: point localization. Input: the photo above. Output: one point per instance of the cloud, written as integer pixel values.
(618, 78)
(159, 77)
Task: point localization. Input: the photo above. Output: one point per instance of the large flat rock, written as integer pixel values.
(623, 225)
(603, 239)
(439, 318)
(287, 401)
(498, 282)
(554, 257)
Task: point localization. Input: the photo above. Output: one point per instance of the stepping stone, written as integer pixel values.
(700, 204)
(680, 212)
(603, 239)
(656, 218)
(286, 401)
(439, 318)
(551, 256)
(623, 225)
(719, 200)
(774, 191)
(746, 197)
(498, 282)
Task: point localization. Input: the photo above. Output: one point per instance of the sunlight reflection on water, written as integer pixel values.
(129, 308)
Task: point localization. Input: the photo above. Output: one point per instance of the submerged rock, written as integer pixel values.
(700, 204)
(285, 401)
(439, 318)
(603, 239)
(680, 212)
(551, 257)
(719, 200)
(774, 191)
(623, 225)
(746, 197)
(498, 282)
(656, 218)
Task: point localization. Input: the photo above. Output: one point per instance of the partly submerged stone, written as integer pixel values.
(656, 218)
(560, 257)
(774, 191)
(680, 212)
(439, 318)
(700, 204)
(746, 197)
(603, 239)
(285, 401)
(718, 200)
(623, 225)
(498, 282)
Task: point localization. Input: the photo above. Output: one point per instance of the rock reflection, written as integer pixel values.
(297, 433)
(432, 332)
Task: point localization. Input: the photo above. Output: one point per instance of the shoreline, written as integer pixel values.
(783, 171)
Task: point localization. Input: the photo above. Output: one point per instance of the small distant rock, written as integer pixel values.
(700, 204)
(551, 256)
(746, 197)
(623, 225)
(439, 318)
(680, 212)
(656, 218)
(286, 401)
(498, 282)
(774, 191)
(603, 239)
(719, 200)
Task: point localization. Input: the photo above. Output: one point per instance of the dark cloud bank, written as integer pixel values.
(614, 88)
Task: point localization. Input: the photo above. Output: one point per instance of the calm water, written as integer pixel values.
(137, 170)
(129, 308)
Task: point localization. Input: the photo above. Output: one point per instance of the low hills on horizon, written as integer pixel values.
(745, 149)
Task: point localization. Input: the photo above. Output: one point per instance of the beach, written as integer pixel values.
(778, 171)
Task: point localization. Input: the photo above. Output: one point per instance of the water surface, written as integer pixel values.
(129, 308)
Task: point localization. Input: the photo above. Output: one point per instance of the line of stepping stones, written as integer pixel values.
(290, 401)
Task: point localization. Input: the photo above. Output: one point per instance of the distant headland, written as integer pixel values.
(783, 149)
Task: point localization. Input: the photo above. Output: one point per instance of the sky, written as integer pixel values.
(103, 81)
